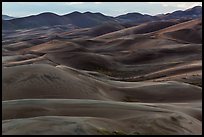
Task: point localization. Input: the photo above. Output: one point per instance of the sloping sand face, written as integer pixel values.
(93, 117)
(133, 81)
(51, 125)
(45, 81)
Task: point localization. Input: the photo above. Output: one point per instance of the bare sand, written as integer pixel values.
(106, 80)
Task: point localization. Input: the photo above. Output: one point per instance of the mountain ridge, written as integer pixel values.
(90, 19)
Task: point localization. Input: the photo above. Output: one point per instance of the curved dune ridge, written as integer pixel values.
(51, 82)
(141, 80)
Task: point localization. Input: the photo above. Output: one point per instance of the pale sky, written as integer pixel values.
(22, 9)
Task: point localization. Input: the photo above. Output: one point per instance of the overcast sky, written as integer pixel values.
(21, 9)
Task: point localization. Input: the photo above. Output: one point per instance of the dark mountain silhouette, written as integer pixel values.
(78, 19)
(44, 19)
(88, 19)
(192, 13)
(136, 17)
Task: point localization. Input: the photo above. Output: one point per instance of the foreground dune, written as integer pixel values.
(49, 125)
(93, 117)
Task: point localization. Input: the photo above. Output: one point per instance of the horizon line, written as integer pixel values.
(94, 13)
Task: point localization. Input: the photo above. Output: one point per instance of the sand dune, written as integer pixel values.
(108, 79)
(93, 108)
(44, 81)
(136, 118)
(140, 29)
(98, 126)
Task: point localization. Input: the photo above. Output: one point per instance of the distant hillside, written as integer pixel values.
(136, 17)
(78, 19)
(195, 12)
(88, 19)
